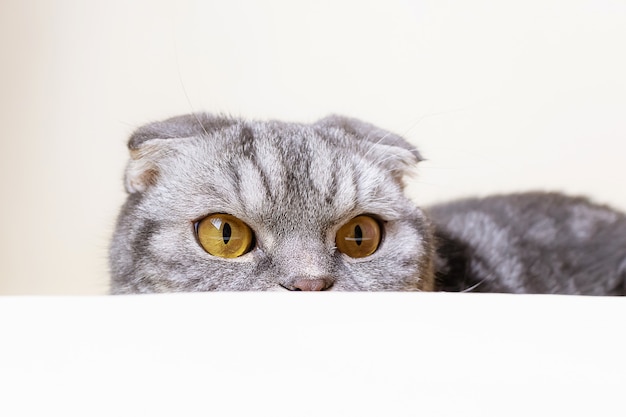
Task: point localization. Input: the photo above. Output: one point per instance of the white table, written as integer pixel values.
(313, 354)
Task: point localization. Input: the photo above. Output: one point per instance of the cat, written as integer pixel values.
(221, 203)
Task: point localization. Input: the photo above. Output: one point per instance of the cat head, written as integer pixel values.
(218, 203)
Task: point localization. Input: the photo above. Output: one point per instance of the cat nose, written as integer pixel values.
(312, 284)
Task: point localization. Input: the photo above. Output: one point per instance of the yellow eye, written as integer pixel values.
(359, 237)
(224, 235)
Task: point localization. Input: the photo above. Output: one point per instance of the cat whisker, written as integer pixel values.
(182, 85)
(473, 287)
(375, 143)
(413, 126)
(380, 161)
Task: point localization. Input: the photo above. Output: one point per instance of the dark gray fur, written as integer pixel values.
(530, 243)
(296, 184)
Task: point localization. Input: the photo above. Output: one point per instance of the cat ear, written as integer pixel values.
(149, 144)
(385, 148)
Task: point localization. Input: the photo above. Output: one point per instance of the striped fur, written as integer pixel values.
(293, 184)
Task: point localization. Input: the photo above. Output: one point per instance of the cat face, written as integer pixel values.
(218, 203)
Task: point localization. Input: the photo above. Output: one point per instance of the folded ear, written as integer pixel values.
(149, 144)
(384, 148)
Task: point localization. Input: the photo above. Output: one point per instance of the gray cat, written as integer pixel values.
(219, 203)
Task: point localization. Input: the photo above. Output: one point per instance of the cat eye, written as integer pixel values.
(359, 237)
(224, 236)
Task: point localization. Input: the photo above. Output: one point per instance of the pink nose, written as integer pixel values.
(312, 284)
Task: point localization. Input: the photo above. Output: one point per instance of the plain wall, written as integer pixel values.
(499, 96)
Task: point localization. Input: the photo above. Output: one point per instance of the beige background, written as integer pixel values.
(499, 96)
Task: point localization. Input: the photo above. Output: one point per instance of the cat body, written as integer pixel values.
(543, 243)
(219, 203)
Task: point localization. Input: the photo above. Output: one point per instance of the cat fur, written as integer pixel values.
(295, 184)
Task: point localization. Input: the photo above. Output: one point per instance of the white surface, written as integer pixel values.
(305, 354)
(499, 96)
